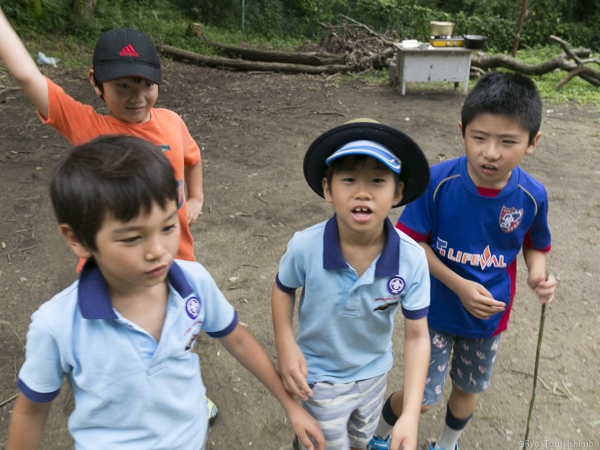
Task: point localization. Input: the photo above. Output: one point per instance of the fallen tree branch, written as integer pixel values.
(309, 58)
(369, 29)
(240, 64)
(562, 62)
(487, 62)
(588, 73)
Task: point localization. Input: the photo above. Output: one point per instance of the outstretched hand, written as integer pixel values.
(478, 300)
(293, 371)
(543, 285)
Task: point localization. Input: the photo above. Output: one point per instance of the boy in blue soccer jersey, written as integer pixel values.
(140, 386)
(355, 270)
(479, 211)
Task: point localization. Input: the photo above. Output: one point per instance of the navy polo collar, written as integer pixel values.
(93, 297)
(388, 262)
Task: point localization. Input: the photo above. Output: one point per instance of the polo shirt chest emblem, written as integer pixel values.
(192, 307)
(510, 218)
(396, 285)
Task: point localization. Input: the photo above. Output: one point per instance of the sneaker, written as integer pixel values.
(377, 443)
(432, 446)
(213, 411)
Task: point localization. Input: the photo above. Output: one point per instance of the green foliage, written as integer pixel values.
(573, 20)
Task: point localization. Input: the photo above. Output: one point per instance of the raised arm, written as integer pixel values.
(27, 424)
(22, 66)
(475, 297)
(252, 356)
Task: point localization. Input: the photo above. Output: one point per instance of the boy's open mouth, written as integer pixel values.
(361, 213)
(489, 168)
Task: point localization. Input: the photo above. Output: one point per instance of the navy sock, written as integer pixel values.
(453, 422)
(387, 413)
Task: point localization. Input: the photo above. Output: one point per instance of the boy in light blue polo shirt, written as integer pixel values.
(123, 334)
(355, 270)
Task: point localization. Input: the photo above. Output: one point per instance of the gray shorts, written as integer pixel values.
(471, 365)
(347, 413)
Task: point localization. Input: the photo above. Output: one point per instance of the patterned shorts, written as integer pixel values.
(471, 366)
(347, 413)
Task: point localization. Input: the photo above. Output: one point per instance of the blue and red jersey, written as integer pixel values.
(477, 233)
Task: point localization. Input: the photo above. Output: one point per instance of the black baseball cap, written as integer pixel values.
(414, 171)
(125, 53)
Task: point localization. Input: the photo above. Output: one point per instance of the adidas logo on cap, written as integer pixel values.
(128, 50)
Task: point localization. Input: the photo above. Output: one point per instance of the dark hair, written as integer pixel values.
(117, 175)
(353, 161)
(505, 94)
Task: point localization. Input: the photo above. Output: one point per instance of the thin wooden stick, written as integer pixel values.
(535, 371)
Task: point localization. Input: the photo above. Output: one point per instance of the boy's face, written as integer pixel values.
(363, 196)
(137, 254)
(129, 99)
(495, 145)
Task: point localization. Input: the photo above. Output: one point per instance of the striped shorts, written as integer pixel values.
(347, 413)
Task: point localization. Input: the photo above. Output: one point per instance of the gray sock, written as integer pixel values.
(384, 428)
(448, 438)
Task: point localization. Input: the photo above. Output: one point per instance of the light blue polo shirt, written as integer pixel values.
(130, 392)
(346, 322)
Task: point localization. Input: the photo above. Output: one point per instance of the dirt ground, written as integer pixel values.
(254, 129)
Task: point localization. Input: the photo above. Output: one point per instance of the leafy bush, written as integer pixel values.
(574, 20)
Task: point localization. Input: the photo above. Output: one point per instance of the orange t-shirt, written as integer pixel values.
(80, 123)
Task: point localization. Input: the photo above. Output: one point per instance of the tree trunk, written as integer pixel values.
(84, 9)
(34, 7)
(311, 59)
(240, 64)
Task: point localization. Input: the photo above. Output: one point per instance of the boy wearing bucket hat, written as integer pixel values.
(479, 212)
(355, 270)
(126, 74)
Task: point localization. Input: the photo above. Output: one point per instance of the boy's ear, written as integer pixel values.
(94, 86)
(462, 135)
(534, 143)
(398, 197)
(78, 248)
(326, 191)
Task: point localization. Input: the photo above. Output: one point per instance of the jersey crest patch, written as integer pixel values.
(192, 307)
(396, 285)
(510, 218)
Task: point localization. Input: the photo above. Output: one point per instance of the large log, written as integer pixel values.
(487, 62)
(240, 64)
(307, 58)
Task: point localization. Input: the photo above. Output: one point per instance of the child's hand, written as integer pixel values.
(293, 371)
(194, 207)
(404, 433)
(307, 429)
(543, 285)
(477, 300)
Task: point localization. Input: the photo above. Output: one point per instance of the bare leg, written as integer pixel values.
(398, 402)
(461, 403)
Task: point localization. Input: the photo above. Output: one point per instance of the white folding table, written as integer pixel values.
(451, 64)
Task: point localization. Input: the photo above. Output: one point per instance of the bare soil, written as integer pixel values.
(254, 130)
